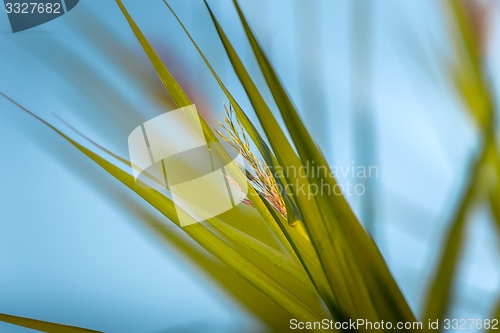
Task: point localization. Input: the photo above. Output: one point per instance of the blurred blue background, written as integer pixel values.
(69, 250)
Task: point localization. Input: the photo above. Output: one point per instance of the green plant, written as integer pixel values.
(324, 264)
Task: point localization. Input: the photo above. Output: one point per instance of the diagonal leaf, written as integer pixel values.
(178, 95)
(42, 326)
(440, 290)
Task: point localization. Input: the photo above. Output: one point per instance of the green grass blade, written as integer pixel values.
(171, 85)
(494, 196)
(182, 100)
(440, 290)
(43, 326)
(468, 73)
(275, 257)
(349, 287)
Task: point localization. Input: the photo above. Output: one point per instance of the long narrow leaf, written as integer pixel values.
(43, 326)
(440, 291)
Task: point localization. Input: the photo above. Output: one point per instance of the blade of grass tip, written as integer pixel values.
(171, 85)
(287, 156)
(438, 299)
(261, 145)
(235, 261)
(308, 151)
(473, 89)
(43, 326)
(178, 95)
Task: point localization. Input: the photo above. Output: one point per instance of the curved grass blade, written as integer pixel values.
(439, 293)
(471, 83)
(43, 326)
